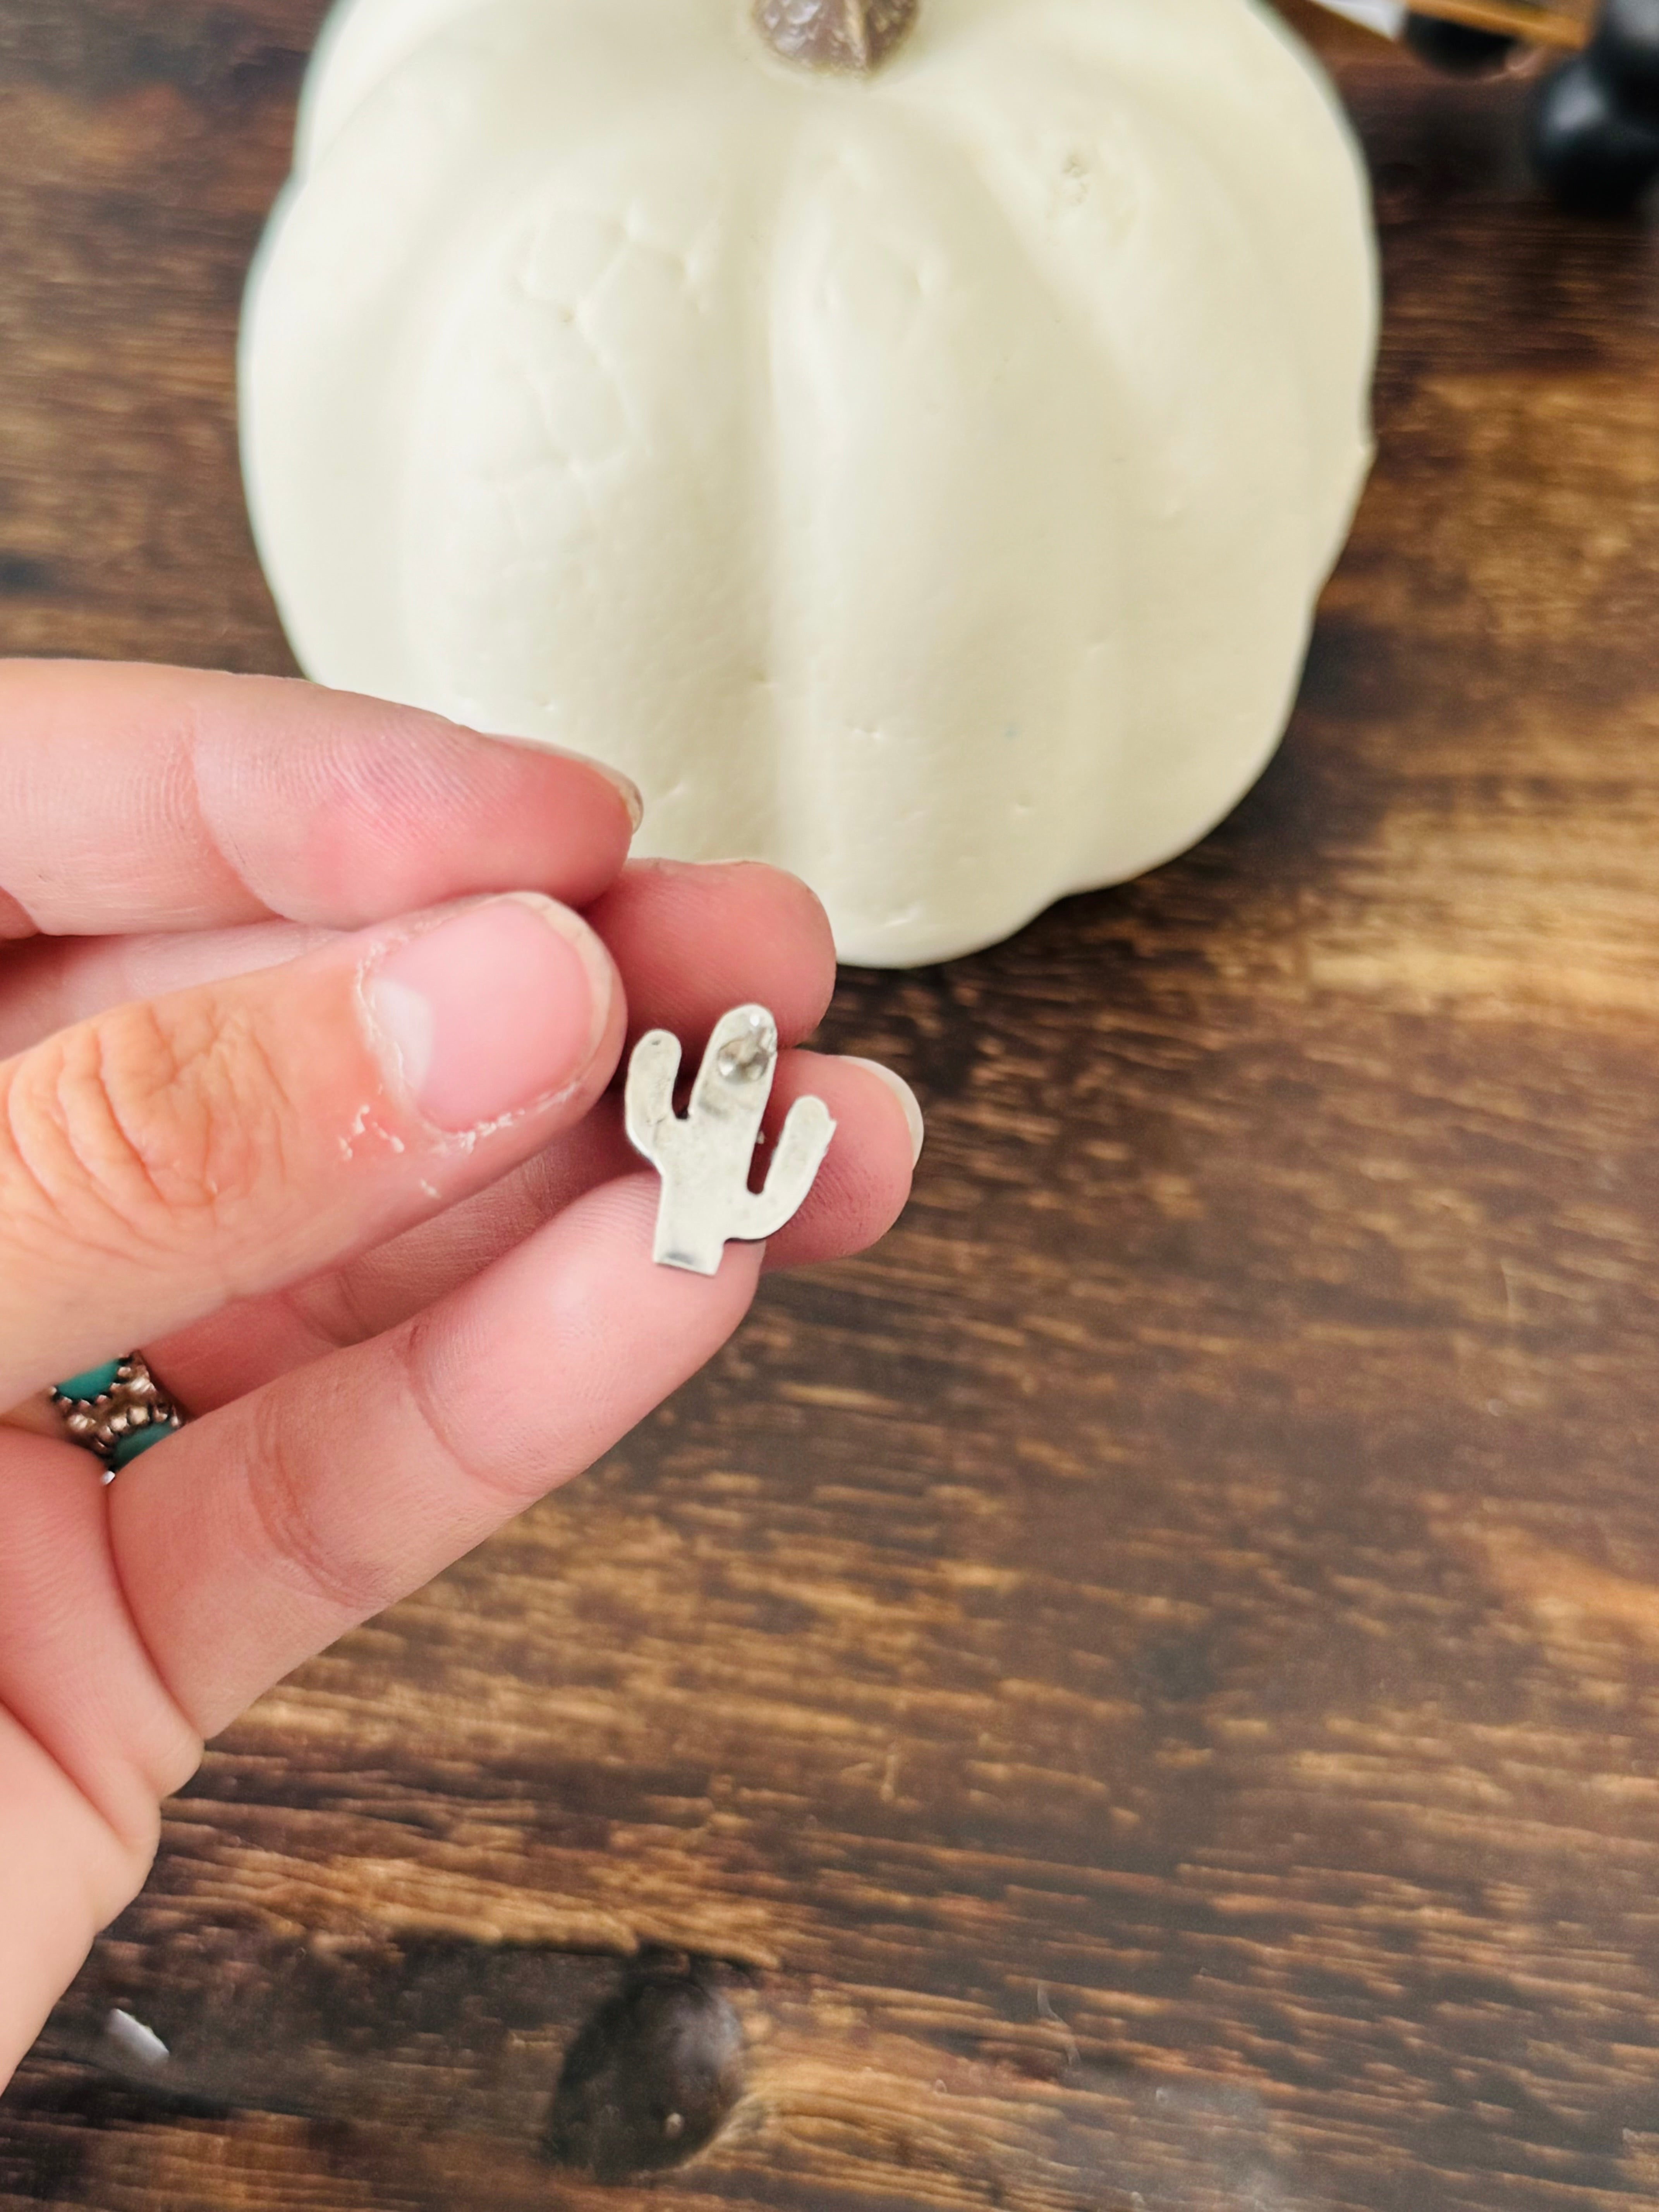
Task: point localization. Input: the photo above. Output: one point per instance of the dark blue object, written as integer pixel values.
(1625, 54)
(1593, 154)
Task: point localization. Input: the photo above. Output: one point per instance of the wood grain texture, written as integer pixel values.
(1146, 1693)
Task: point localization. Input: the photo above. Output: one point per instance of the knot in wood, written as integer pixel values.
(649, 2082)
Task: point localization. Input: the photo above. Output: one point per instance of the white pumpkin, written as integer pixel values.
(918, 475)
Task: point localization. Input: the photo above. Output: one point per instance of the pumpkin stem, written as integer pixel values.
(856, 35)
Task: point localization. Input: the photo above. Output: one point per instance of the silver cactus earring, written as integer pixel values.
(704, 1160)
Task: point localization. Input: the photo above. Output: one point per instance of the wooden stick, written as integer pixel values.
(1539, 26)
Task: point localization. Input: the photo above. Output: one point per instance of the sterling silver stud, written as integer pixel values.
(704, 1160)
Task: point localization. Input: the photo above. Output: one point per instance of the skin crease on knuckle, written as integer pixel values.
(290, 1543)
(153, 1116)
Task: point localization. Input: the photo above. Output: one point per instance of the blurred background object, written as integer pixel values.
(1592, 129)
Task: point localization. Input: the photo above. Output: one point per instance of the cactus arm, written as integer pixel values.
(650, 1097)
(802, 1147)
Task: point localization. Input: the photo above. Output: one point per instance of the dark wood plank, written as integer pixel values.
(1146, 1691)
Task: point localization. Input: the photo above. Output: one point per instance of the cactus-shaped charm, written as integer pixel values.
(704, 1161)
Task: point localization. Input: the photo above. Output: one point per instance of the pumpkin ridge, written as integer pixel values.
(1157, 730)
(1008, 785)
(1159, 77)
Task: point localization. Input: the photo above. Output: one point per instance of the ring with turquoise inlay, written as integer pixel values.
(117, 1411)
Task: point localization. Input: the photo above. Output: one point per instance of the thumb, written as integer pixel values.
(167, 1158)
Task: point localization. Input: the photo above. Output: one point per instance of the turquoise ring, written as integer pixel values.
(117, 1411)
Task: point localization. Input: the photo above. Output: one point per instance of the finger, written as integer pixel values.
(52, 982)
(162, 799)
(861, 1192)
(261, 1535)
(63, 1875)
(169, 1157)
(88, 1744)
(690, 942)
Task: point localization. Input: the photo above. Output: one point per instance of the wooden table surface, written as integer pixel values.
(1145, 1694)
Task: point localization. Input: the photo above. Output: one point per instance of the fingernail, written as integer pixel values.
(490, 1011)
(632, 797)
(907, 1098)
(658, 864)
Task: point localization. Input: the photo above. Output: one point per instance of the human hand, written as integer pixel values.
(347, 1167)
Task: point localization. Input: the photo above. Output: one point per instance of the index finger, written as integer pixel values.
(137, 798)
